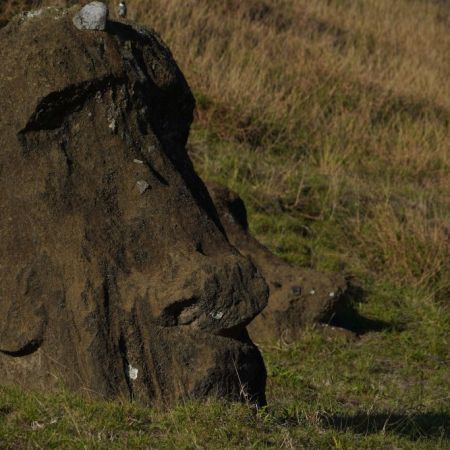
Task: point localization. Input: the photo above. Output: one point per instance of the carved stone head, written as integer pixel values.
(116, 276)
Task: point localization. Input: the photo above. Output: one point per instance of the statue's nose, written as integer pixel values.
(215, 297)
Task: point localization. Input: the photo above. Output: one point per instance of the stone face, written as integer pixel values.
(93, 16)
(103, 289)
(298, 297)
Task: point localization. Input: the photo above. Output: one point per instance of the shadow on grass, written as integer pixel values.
(348, 317)
(355, 322)
(413, 426)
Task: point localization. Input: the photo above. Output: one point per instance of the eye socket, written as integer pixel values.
(180, 312)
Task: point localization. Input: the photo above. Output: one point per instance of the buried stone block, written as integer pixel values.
(298, 297)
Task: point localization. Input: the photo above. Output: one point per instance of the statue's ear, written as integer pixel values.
(23, 310)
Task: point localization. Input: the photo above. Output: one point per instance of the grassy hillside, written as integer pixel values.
(331, 119)
(338, 112)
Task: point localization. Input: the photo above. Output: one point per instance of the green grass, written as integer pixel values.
(342, 158)
(388, 389)
(323, 393)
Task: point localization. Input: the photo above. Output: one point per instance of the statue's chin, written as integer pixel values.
(229, 367)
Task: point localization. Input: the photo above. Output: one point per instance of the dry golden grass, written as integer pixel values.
(354, 93)
(331, 118)
(339, 109)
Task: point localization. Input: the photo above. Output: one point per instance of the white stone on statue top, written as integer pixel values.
(93, 16)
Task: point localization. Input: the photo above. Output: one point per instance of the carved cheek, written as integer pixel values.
(24, 320)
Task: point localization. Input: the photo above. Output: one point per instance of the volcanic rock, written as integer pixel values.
(93, 16)
(106, 288)
(298, 296)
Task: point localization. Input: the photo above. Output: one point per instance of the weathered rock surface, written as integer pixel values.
(297, 296)
(93, 16)
(105, 286)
